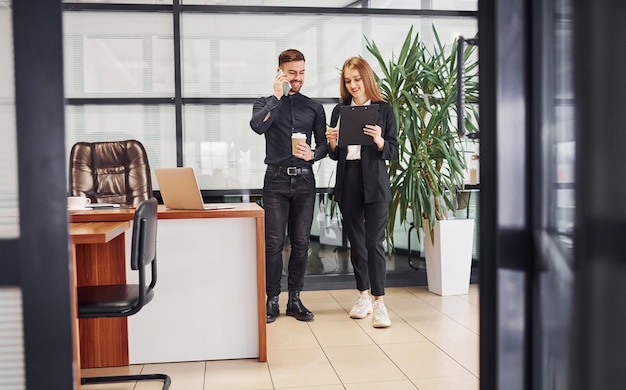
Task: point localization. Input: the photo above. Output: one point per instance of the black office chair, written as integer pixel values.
(123, 300)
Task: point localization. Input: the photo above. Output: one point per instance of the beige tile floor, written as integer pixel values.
(431, 345)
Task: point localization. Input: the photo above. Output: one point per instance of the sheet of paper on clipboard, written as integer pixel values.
(352, 120)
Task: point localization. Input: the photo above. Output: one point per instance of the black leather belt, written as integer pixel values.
(289, 171)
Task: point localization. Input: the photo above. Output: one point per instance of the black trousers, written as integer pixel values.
(288, 202)
(364, 224)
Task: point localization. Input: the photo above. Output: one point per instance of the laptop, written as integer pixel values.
(179, 190)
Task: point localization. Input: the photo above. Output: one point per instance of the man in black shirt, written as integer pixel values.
(289, 184)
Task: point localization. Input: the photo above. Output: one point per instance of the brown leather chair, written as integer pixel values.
(110, 172)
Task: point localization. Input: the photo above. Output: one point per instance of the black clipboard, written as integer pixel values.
(352, 120)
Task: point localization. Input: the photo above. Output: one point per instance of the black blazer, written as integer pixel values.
(375, 176)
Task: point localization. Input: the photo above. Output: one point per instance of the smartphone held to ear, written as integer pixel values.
(286, 85)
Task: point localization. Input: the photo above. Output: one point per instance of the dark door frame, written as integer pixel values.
(42, 258)
(505, 231)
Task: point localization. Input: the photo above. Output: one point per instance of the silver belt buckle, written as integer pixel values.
(292, 171)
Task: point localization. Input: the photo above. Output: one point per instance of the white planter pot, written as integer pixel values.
(449, 260)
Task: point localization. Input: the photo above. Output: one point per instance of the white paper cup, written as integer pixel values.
(296, 138)
(77, 202)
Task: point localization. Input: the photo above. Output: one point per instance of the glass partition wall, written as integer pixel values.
(11, 309)
(181, 77)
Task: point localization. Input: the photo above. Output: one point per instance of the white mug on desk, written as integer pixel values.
(77, 202)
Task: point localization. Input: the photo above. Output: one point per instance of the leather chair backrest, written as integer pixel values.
(144, 238)
(110, 172)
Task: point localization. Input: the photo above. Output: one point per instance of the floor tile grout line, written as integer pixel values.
(370, 336)
(322, 347)
(434, 343)
(390, 358)
(428, 339)
(269, 370)
(443, 313)
(380, 348)
(206, 369)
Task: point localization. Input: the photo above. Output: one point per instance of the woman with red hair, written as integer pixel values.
(362, 187)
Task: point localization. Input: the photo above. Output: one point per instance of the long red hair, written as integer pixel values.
(367, 75)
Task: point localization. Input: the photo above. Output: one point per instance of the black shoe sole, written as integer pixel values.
(300, 317)
(270, 319)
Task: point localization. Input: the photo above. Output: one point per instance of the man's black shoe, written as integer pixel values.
(295, 308)
(271, 309)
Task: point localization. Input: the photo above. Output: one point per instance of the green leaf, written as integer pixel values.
(420, 85)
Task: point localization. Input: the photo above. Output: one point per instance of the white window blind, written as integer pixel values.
(130, 55)
(12, 372)
(9, 227)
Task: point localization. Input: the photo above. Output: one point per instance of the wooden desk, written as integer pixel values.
(204, 260)
(96, 232)
(95, 244)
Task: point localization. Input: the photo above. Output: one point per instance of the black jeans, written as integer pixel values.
(288, 202)
(364, 224)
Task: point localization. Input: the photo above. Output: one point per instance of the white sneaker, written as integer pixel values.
(380, 319)
(362, 307)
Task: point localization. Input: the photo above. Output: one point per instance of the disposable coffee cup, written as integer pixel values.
(77, 202)
(296, 138)
(473, 177)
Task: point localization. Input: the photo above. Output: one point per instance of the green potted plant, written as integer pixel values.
(420, 84)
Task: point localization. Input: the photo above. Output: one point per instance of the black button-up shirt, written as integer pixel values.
(291, 114)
